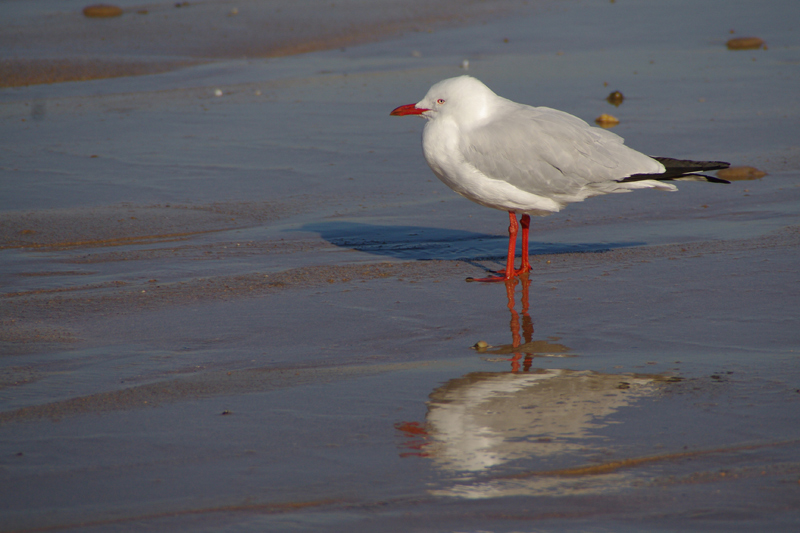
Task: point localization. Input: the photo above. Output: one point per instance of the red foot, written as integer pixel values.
(510, 273)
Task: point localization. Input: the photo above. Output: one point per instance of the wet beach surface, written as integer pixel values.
(233, 293)
(49, 41)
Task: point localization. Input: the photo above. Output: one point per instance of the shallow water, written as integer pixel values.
(248, 311)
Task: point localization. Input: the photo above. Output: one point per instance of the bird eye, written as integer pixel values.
(440, 101)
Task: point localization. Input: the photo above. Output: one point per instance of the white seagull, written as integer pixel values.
(530, 160)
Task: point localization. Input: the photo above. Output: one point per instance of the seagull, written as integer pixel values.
(530, 161)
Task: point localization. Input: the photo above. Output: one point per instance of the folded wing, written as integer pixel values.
(551, 153)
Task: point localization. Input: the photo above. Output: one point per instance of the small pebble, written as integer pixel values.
(217, 92)
(480, 345)
(606, 121)
(741, 173)
(615, 98)
(745, 43)
(465, 64)
(102, 11)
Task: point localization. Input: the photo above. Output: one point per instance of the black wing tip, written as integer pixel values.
(685, 169)
(687, 165)
(713, 179)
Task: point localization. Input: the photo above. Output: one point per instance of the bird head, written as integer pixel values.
(463, 97)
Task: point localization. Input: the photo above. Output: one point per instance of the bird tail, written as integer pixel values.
(682, 169)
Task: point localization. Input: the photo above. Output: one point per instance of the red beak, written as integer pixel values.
(410, 109)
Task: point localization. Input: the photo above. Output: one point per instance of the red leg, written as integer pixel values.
(513, 229)
(525, 222)
(509, 273)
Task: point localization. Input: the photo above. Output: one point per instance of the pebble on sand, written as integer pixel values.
(102, 11)
(745, 43)
(615, 98)
(606, 121)
(741, 173)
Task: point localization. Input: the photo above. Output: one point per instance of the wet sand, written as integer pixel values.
(234, 297)
(51, 43)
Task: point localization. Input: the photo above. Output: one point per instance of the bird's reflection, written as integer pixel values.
(484, 425)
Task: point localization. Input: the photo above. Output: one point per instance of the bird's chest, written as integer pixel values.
(442, 151)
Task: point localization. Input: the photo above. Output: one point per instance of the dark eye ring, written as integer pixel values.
(440, 101)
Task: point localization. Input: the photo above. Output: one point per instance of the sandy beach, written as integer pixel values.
(233, 296)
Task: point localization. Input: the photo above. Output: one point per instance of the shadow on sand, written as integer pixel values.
(427, 243)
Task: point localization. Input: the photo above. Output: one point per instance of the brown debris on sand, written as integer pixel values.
(741, 173)
(745, 43)
(102, 11)
(606, 121)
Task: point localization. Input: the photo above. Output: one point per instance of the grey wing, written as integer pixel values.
(548, 152)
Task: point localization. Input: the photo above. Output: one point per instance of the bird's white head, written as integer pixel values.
(464, 97)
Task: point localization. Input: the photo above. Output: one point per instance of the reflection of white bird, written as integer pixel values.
(483, 421)
(487, 419)
(530, 160)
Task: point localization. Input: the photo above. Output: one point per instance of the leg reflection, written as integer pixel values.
(527, 323)
(523, 349)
